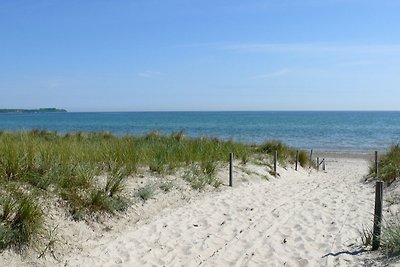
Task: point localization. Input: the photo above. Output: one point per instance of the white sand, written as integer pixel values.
(297, 219)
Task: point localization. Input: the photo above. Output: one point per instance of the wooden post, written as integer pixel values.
(376, 163)
(230, 169)
(275, 161)
(323, 164)
(317, 163)
(376, 239)
(310, 159)
(297, 159)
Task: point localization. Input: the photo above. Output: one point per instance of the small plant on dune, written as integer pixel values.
(390, 237)
(110, 199)
(91, 199)
(115, 182)
(74, 186)
(157, 165)
(99, 201)
(167, 186)
(393, 199)
(73, 177)
(208, 167)
(201, 175)
(366, 236)
(158, 161)
(245, 157)
(145, 193)
(51, 240)
(76, 203)
(21, 221)
(303, 159)
(390, 240)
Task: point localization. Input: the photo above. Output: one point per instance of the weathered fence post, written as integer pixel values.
(323, 164)
(376, 163)
(310, 159)
(376, 239)
(275, 160)
(297, 159)
(230, 169)
(317, 163)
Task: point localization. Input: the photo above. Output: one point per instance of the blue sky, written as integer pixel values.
(144, 55)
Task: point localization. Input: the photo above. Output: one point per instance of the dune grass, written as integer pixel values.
(389, 171)
(390, 237)
(21, 219)
(69, 166)
(388, 165)
(390, 241)
(145, 193)
(285, 152)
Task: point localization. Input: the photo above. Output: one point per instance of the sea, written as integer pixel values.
(341, 131)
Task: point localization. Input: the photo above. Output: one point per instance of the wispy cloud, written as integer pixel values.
(310, 48)
(149, 74)
(273, 74)
(356, 63)
(56, 83)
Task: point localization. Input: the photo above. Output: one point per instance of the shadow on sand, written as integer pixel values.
(334, 254)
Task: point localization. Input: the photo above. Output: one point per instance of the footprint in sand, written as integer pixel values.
(303, 262)
(298, 227)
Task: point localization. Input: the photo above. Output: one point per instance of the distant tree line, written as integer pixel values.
(40, 110)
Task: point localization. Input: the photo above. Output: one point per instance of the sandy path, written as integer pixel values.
(295, 220)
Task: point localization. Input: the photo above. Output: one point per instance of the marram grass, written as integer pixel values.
(390, 241)
(388, 165)
(21, 220)
(68, 165)
(389, 171)
(285, 152)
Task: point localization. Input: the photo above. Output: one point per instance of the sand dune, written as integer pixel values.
(298, 219)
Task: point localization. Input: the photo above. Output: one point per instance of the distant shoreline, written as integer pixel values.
(40, 110)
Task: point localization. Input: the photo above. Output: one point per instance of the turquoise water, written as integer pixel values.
(343, 131)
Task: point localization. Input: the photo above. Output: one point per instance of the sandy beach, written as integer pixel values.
(119, 122)
(303, 218)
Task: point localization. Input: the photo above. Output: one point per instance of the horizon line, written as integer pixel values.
(266, 110)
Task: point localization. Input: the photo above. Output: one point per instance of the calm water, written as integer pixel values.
(349, 131)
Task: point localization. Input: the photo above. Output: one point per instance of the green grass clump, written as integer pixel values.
(200, 175)
(167, 186)
(388, 165)
(285, 152)
(303, 158)
(366, 236)
(100, 201)
(145, 193)
(21, 220)
(85, 198)
(390, 237)
(390, 240)
(115, 182)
